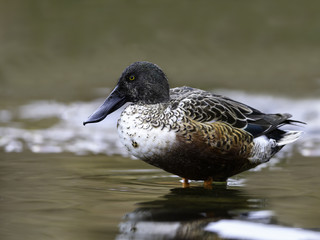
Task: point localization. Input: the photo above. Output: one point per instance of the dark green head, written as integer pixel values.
(141, 82)
(144, 82)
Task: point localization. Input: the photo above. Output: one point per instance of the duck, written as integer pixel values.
(189, 132)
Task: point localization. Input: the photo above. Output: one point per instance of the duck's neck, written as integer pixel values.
(155, 97)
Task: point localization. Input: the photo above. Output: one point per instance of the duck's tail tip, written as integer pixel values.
(289, 137)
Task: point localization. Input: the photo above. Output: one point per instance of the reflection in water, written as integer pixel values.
(185, 212)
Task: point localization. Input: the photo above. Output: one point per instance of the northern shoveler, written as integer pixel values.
(189, 132)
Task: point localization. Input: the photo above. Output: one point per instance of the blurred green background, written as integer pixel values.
(65, 50)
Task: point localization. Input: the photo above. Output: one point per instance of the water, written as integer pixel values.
(62, 196)
(60, 180)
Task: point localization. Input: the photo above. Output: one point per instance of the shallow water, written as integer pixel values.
(63, 196)
(60, 180)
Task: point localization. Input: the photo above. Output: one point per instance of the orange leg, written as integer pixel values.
(185, 183)
(208, 183)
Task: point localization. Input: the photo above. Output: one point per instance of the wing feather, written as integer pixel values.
(206, 107)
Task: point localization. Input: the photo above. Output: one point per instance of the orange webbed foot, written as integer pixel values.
(208, 183)
(185, 183)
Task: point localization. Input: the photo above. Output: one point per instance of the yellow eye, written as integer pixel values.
(132, 77)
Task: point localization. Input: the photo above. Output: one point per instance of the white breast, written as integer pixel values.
(140, 138)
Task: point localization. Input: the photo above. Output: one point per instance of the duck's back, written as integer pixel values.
(206, 107)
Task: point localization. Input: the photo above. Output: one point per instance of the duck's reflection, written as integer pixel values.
(184, 213)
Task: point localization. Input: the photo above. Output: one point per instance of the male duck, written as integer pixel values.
(190, 132)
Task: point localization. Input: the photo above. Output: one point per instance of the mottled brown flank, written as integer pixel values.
(214, 150)
(220, 136)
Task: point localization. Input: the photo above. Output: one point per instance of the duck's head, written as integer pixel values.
(142, 82)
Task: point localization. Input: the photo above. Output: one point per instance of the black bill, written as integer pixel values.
(111, 104)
